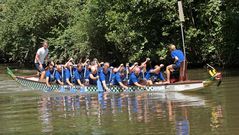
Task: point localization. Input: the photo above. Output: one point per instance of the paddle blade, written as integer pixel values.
(48, 89)
(73, 90)
(99, 85)
(62, 89)
(82, 89)
(219, 83)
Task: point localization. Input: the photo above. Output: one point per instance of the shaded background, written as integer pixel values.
(120, 30)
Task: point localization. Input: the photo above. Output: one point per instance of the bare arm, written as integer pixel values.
(175, 59)
(93, 78)
(157, 70)
(120, 67)
(131, 69)
(143, 65)
(68, 82)
(68, 62)
(122, 85)
(86, 62)
(105, 86)
(139, 85)
(47, 82)
(79, 82)
(60, 82)
(37, 57)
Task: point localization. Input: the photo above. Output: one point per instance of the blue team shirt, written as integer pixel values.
(78, 75)
(50, 75)
(70, 75)
(100, 69)
(142, 75)
(133, 79)
(180, 56)
(86, 73)
(58, 76)
(67, 74)
(155, 77)
(148, 75)
(105, 76)
(116, 78)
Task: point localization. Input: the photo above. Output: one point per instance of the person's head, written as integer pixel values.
(59, 68)
(122, 68)
(50, 65)
(69, 65)
(95, 59)
(45, 44)
(79, 66)
(137, 70)
(94, 62)
(106, 66)
(172, 47)
(93, 69)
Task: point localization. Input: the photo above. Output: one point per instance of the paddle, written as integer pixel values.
(84, 75)
(110, 78)
(62, 89)
(143, 70)
(219, 83)
(71, 74)
(127, 71)
(83, 89)
(48, 89)
(73, 89)
(99, 85)
(86, 64)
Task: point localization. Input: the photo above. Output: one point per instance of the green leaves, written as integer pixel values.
(119, 30)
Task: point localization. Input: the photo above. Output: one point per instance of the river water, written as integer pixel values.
(213, 110)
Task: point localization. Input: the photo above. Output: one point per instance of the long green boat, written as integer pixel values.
(188, 85)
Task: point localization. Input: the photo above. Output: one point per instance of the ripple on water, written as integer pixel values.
(212, 111)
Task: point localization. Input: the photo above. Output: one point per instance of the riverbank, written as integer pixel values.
(23, 70)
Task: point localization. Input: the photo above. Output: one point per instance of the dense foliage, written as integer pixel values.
(119, 30)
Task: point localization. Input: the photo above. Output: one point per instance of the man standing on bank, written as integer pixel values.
(178, 57)
(41, 56)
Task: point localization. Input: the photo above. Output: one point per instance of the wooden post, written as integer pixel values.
(181, 18)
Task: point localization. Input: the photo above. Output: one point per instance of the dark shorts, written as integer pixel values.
(175, 66)
(38, 68)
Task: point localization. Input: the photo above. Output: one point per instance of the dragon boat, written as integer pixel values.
(187, 85)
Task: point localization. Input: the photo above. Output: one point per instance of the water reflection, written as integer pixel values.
(216, 117)
(46, 114)
(210, 111)
(182, 123)
(140, 107)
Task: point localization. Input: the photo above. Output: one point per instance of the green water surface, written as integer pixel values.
(211, 111)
